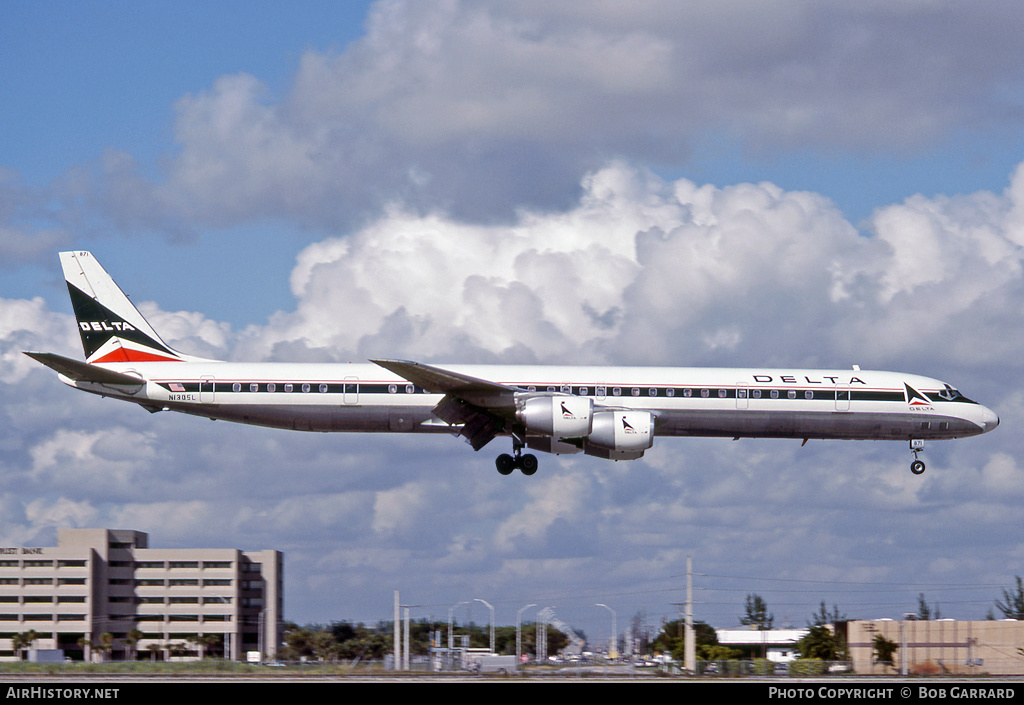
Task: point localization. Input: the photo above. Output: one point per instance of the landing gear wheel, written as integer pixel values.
(916, 446)
(528, 464)
(505, 464)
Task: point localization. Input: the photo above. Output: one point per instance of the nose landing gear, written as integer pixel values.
(916, 467)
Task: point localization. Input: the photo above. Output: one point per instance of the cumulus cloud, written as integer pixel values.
(461, 105)
(640, 270)
(445, 150)
(483, 108)
(744, 274)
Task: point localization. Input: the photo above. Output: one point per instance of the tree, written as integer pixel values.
(883, 649)
(1012, 604)
(757, 614)
(204, 642)
(104, 645)
(824, 617)
(309, 641)
(717, 652)
(823, 639)
(24, 640)
(924, 612)
(821, 642)
(672, 638)
(131, 640)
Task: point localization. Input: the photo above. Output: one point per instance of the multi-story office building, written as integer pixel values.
(105, 594)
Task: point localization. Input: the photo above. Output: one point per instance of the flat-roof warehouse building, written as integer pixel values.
(153, 602)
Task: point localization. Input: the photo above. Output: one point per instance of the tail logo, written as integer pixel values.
(100, 326)
(107, 337)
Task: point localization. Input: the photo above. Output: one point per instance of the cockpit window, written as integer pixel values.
(951, 394)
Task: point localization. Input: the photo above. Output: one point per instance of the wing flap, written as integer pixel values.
(478, 426)
(475, 407)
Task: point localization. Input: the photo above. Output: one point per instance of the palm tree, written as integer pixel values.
(24, 640)
(105, 645)
(132, 639)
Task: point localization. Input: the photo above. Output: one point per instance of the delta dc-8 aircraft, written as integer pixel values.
(609, 412)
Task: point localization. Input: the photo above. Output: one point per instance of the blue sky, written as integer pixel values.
(83, 79)
(738, 184)
(95, 78)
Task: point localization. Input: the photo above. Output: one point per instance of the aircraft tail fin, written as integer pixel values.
(112, 329)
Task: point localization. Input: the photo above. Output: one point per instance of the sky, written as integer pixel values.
(783, 184)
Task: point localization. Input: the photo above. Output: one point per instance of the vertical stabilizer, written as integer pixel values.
(112, 329)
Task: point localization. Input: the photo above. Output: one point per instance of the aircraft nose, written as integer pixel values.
(989, 420)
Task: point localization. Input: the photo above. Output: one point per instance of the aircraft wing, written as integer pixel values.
(441, 381)
(83, 371)
(478, 406)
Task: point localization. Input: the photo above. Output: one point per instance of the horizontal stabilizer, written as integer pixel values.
(83, 371)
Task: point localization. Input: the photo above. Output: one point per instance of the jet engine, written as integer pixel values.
(620, 435)
(557, 416)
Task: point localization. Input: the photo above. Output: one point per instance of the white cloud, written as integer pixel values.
(113, 458)
(482, 108)
(402, 508)
(749, 273)
(29, 325)
(455, 135)
(639, 269)
(559, 499)
(60, 513)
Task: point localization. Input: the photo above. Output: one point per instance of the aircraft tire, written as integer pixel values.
(528, 464)
(505, 464)
(917, 467)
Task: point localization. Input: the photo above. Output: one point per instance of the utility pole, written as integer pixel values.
(690, 655)
(405, 651)
(398, 635)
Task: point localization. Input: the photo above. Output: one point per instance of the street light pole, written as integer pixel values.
(613, 646)
(477, 599)
(451, 613)
(519, 632)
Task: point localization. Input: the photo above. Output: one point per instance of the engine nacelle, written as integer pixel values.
(627, 433)
(557, 416)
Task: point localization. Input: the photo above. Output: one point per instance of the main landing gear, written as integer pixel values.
(916, 467)
(527, 463)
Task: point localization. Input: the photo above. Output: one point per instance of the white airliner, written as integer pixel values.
(610, 412)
